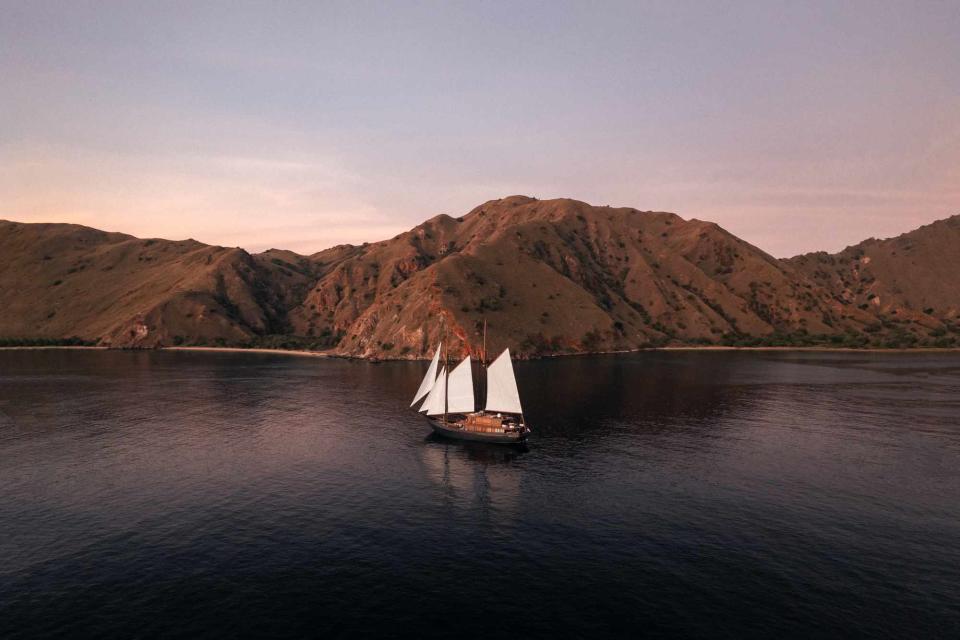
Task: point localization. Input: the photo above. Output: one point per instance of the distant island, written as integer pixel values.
(548, 276)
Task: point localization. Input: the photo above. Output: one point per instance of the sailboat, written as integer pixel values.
(450, 406)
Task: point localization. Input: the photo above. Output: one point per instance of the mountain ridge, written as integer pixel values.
(547, 276)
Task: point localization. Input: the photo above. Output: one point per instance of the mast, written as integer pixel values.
(483, 356)
(523, 420)
(446, 365)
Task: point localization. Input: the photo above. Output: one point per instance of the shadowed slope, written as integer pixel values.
(63, 280)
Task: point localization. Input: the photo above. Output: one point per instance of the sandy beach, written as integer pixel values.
(291, 352)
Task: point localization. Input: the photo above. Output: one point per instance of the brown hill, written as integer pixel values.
(60, 280)
(909, 283)
(560, 275)
(547, 276)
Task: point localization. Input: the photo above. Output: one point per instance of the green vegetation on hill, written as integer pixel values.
(46, 342)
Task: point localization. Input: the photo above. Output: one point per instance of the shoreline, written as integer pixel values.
(724, 348)
(291, 352)
(51, 346)
(825, 349)
(327, 354)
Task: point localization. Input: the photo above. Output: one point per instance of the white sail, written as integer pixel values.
(428, 379)
(502, 393)
(436, 399)
(460, 389)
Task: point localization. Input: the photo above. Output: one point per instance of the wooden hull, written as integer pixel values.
(454, 430)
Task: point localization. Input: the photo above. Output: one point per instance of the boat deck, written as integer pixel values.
(464, 429)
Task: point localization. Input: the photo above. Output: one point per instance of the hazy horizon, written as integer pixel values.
(372, 240)
(796, 127)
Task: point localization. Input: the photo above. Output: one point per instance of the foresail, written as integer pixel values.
(502, 393)
(436, 399)
(460, 389)
(429, 379)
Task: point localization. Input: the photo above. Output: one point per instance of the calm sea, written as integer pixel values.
(662, 494)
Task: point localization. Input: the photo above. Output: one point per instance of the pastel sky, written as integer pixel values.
(796, 125)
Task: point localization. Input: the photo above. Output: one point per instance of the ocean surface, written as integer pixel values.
(663, 494)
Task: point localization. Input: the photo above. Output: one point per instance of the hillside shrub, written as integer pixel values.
(72, 341)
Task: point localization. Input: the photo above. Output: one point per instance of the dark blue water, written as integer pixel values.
(663, 494)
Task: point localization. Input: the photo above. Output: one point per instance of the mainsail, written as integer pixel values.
(460, 389)
(502, 393)
(436, 399)
(428, 379)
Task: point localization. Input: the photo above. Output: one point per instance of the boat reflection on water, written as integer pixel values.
(474, 472)
(479, 451)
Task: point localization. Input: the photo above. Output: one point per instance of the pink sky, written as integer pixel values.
(798, 127)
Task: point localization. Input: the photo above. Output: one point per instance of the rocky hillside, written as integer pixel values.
(59, 281)
(547, 277)
(908, 284)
